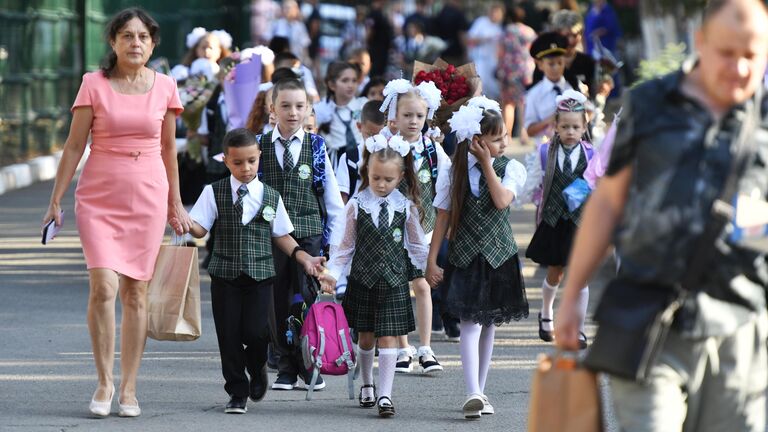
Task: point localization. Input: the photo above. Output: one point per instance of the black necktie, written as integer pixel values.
(287, 155)
(383, 217)
(242, 191)
(567, 168)
(557, 90)
(349, 135)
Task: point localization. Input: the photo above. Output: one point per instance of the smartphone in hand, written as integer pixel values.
(50, 229)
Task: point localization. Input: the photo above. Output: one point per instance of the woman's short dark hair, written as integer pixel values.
(118, 22)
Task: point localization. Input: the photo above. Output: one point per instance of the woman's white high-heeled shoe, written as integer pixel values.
(102, 408)
(128, 410)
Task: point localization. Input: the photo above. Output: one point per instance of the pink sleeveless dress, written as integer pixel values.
(121, 200)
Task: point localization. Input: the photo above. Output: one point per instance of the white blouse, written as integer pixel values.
(513, 180)
(343, 241)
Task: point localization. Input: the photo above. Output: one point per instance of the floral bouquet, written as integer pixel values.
(241, 82)
(457, 85)
(195, 94)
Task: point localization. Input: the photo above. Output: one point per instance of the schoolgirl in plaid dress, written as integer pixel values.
(565, 159)
(483, 283)
(381, 238)
(409, 108)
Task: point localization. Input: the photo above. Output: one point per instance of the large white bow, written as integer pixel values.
(483, 102)
(465, 122)
(379, 142)
(391, 90)
(429, 91)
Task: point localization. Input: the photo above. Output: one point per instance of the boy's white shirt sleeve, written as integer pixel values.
(205, 211)
(281, 225)
(333, 204)
(342, 247)
(530, 113)
(342, 175)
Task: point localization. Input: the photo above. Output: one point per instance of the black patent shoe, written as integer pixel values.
(236, 405)
(259, 385)
(545, 335)
(386, 408)
(367, 402)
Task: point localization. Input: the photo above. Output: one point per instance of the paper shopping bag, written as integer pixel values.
(173, 300)
(564, 397)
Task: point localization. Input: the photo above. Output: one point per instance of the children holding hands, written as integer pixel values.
(483, 281)
(248, 217)
(382, 237)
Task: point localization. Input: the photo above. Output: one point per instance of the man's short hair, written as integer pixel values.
(565, 20)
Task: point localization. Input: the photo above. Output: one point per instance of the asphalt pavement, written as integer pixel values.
(47, 374)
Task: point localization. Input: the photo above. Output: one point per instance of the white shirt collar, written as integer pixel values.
(417, 147)
(551, 85)
(253, 186)
(472, 161)
(298, 134)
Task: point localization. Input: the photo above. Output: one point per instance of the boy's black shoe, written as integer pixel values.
(452, 331)
(319, 384)
(284, 382)
(259, 385)
(236, 405)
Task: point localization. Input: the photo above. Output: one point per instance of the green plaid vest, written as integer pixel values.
(484, 229)
(295, 187)
(239, 248)
(427, 195)
(555, 207)
(380, 256)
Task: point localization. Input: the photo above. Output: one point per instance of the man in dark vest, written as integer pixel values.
(679, 145)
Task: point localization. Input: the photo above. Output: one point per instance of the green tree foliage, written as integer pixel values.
(669, 60)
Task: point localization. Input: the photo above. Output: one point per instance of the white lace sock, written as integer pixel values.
(387, 361)
(583, 303)
(548, 294)
(486, 352)
(470, 363)
(366, 365)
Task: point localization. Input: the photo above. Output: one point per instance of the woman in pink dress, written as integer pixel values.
(127, 191)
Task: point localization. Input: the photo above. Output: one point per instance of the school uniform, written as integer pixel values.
(540, 104)
(552, 240)
(291, 174)
(342, 173)
(342, 131)
(381, 236)
(483, 280)
(245, 218)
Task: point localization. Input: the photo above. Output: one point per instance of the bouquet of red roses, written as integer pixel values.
(456, 84)
(452, 85)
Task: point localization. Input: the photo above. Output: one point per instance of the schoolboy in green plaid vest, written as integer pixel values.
(288, 166)
(479, 217)
(555, 206)
(248, 217)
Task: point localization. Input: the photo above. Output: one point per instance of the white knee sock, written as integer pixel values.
(366, 365)
(583, 303)
(486, 352)
(387, 361)
(548, 294)
(470, 362)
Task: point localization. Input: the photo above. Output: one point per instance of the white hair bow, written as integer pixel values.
(465, 122)
(379, 142)
(194, 36)
(391, 90)
(483, 102)
(224, 38)
(571, 94)
(429, 91)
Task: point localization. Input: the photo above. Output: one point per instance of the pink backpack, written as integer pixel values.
(326, 344)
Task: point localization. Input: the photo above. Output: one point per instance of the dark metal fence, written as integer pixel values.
(46, 46)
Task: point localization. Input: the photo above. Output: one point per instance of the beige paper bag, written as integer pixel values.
(564, 397)
(173, 302)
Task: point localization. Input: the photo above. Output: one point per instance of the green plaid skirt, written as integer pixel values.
(382, 309)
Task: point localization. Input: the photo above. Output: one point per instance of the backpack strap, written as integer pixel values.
(430, 152)
(318, 180)
(318, 363)
(346, 357)
(543, 150)
(589, 150)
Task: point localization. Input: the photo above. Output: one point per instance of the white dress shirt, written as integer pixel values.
(342, 172)
(540, 103)
(205, 212)
(512, 180)
(574, 156)
(334, 206)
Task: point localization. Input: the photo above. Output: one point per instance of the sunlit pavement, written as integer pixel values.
(47, 375)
